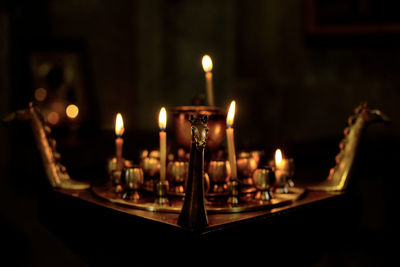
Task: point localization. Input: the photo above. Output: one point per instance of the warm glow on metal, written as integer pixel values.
(207, 63)
(119, 125)
(278, 157)
(231, 114)
(72, 111)
(162, 119)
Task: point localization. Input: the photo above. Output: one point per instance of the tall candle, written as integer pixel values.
(207, 67)
(231, 140)
(119, 142)
(162, 123)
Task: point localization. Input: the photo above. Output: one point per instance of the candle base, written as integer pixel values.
(233, 193)
(116, 181)
(264, 195)
(283, 184)
(131, 195)
(161, 190)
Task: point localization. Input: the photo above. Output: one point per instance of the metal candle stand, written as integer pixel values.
(139, 188)
(204, 192)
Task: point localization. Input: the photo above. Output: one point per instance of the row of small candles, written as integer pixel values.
(280, 163)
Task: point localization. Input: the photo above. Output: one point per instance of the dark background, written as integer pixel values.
(294, 89)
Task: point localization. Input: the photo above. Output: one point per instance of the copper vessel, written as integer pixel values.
(216, 124)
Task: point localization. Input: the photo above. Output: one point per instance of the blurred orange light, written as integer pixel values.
(72, 111)
(53, 117)
(40, 94)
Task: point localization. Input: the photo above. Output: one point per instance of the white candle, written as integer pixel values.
(282, 166)
(207, 67)
(119, 142)
(162, 123)
(231, 140)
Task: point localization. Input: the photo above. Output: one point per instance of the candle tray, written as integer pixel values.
(214, 204)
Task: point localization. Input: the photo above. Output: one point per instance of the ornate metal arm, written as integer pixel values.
(56, 173)
(338, 178)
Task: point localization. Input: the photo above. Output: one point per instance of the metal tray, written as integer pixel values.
(213, 204)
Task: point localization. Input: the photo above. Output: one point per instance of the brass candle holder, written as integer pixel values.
(177, 172)
(216, 125)
(284, 176)
(133, 180)
(112, 164)
(150, 164)
(161, 189)
(263, 179)
(219, 173)
(116, 180)
(246, 165)
(193, 210)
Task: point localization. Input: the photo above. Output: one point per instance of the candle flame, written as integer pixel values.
(207, 63)
(231, 114)
(278, 157)
(162, 119)
(119, 125)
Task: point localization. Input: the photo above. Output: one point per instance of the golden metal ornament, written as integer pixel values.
(56, 173)
(338, 178)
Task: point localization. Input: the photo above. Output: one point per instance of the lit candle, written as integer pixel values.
(283, 166)
(119, 130)
(207, 67)
(278, 163)
(231, 141)
(162, 123)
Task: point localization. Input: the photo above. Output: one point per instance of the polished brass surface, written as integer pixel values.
(133, 179)
(216, 125)
(263, 179)
(219, 173)
(339, 175)
(111, 165)
(116, 179)
(151, 164)
(56, 173)
(234, 190)
(177, 172)
(207, 184)
(247, 203)
(284, 176)
(193, 214)
(246, 165)
(161, 189)
(257, 155)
